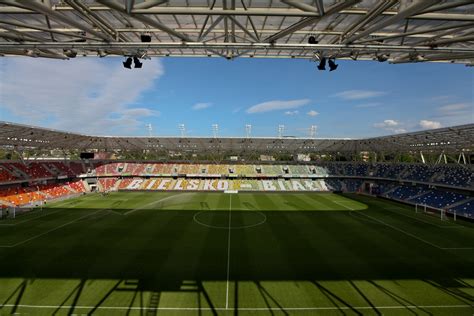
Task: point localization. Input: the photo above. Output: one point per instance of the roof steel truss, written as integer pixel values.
(405, 31)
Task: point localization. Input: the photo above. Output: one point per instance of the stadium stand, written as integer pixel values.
(402, 181)
(438, 199)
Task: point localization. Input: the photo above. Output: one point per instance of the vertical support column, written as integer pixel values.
(422, 157)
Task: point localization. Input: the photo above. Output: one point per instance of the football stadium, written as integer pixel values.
(250, 210)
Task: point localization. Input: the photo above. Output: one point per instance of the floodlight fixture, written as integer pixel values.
(128, 63)
(137, 62)
(332, 64)
(322, 63)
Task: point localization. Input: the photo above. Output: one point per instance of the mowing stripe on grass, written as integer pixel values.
(421, 220)
(228, 253)
(51, 230)
(154, 202)
(33, 218)
(329, 308)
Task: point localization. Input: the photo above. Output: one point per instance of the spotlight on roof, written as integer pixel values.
(312, 40)
(101, 53)
(70, 53)
(145, 38)
(382, 58)
(322, 63)
(137, 62)
(128, 63)
(332, 64)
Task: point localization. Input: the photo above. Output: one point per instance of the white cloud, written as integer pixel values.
(425, 124)
(387, 124)
(391, 126)
(277, 105)
(454, 108)
(312, 113)
(201, 106)
(359, 94)
(367, 105)
(454, 114)
(85, 95)
(399, 130)
(295, 112)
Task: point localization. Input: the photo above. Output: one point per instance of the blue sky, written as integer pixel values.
(359, 99)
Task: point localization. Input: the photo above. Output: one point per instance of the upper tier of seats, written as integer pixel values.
(453, 175)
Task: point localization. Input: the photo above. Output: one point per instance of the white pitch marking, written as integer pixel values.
(228, 253)
(154, 202)
(234, 308)
(30, 219)
(338, 203)
(421, 220)
(51, 230)
(402, 231)
(407, 233)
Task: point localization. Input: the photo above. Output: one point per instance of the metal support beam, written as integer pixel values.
(257, 46)
(425, 31)
(302, 6)
(92, 17)
(308, 21)
(210, 28)
(129, 5)
(149, 4)
(41, 8)
(243, 28)
(320, 6)
(371, 15)
(251, 12)
(144, 19)
(458, 39)
(411, 10)
(447, 5)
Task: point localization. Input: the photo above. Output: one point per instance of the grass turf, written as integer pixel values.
(135, 253)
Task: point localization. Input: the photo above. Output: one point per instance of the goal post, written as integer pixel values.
(441, 213)
(420, 208)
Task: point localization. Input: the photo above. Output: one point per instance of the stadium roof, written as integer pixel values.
(444, 139)
(398, 30)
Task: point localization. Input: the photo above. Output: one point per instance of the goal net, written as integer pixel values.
(440, 213)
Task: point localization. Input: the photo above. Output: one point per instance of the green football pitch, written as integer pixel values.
(147, 253)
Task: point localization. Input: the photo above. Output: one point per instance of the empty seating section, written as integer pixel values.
(18, 195)
(352, 185)
(323, 176)
(54, 190)
(139, 168)
(465, 209)
(298, 170)
(77, 186)
(60, 168)
(247, 170)
(453, 175)
(438, 199)
(333, 184)
(404, 192)
(107, 184)
(77, 167)
(33, 170)
(6, 175)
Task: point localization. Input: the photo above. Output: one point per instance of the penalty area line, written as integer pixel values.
(51, 230)
(393, 307)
